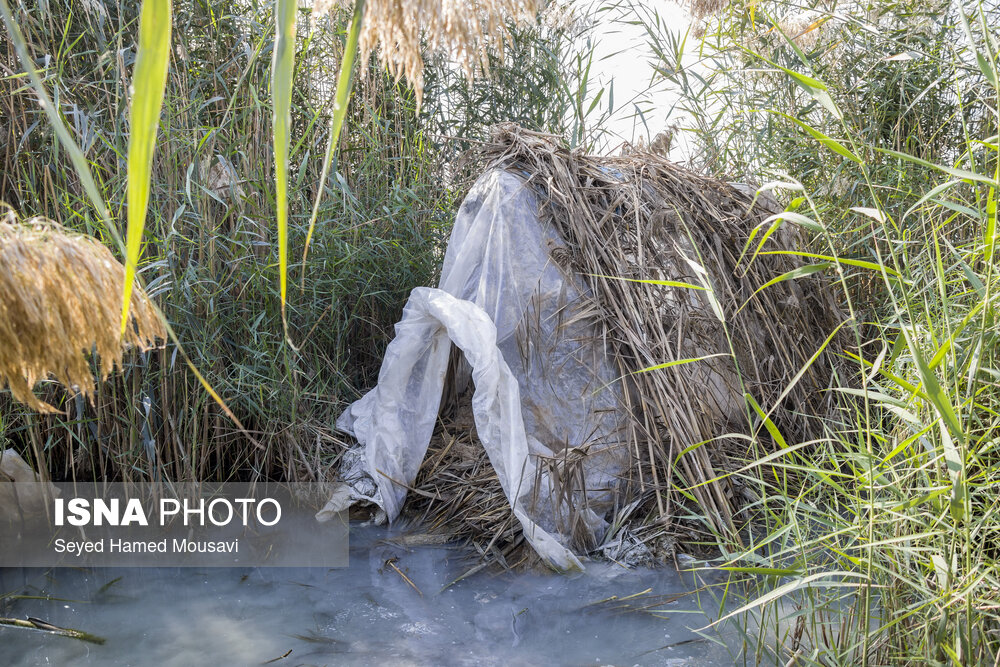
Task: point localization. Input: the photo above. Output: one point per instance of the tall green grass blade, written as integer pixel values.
(678, 362)
(951, 430)
(282, 72)
(799, 272)
(860, 263)
(827, 141)
(706, 282)
(937, 396)
(991, 218)
(985, 63)
(919, 500)
(872, 395)
(345, 82)
(774, 226)
(950, 341)
(149, 82)
(814, 87)
(816, 579)
(989, 58)
(777, 454)
(764, 571)
(963, 174)
(930, 195)
(771, 427)
(906, 443)
(797, 218)
(650, 281)
(909, 387)
(873, 213)
(805, 367)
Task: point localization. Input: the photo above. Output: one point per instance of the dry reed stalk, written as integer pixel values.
(457, 493)
(59, 303)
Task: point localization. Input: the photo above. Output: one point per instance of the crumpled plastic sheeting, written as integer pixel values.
(544, 390)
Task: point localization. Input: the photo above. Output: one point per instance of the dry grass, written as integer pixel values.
(58, 305)
(457, 494)
(640, 217)
(699, 9)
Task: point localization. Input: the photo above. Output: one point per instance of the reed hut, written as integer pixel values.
(575, 380)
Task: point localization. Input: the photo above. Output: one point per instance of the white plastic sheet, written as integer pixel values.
(544, 390)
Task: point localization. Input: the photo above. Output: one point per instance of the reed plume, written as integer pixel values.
(59, 305)
(403, 28)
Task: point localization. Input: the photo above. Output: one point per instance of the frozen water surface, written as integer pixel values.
(365, 614)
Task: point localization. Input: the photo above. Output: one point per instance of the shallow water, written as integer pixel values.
(365, 614)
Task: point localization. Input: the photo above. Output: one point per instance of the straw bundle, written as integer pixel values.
(57, 305)
(458, 494)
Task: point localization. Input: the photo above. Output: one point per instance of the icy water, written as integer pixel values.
(365, 614)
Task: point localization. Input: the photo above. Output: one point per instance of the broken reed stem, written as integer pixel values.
(42, 626)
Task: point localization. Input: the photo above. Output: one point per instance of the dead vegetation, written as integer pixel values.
(457, 493)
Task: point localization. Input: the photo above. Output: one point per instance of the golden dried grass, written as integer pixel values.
(59, 304)
(700, 9)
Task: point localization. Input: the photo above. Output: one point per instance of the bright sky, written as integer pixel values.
(623, 55)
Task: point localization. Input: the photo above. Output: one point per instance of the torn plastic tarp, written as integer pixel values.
(543, 385)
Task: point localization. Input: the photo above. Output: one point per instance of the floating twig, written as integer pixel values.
(44, 626)
(280, 657)
(392, 563)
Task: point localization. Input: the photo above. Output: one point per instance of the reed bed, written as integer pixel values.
(877, 540)
(209, 253)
